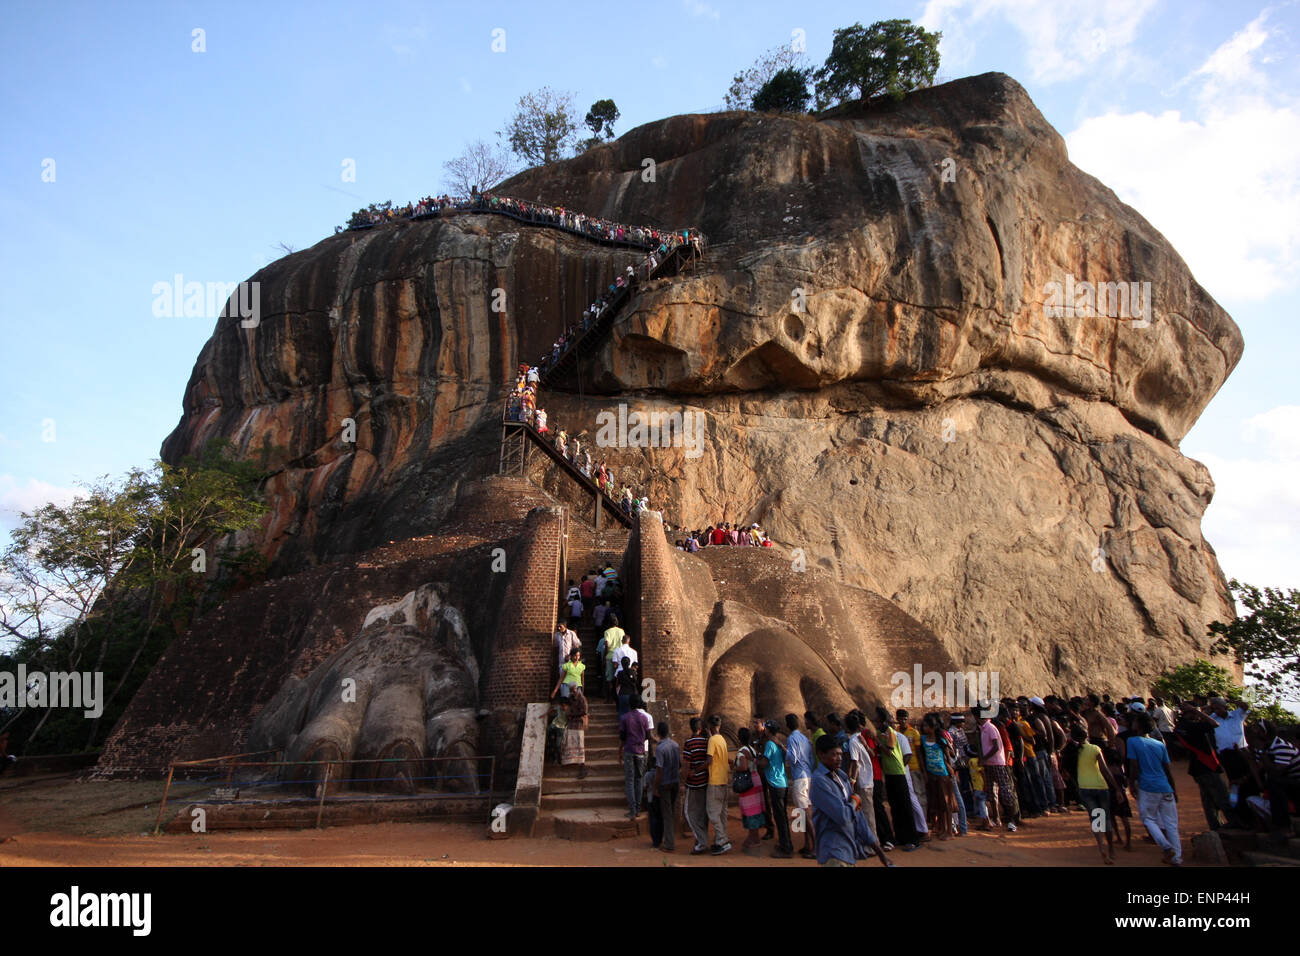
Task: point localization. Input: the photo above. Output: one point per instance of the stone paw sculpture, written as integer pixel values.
(405, 689)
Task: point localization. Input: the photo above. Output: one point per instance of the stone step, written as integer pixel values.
(588, 800)
(605, 763)
(592, 783)
(590, 825)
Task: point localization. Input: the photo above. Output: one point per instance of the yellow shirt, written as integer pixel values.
(976, 774)
(914, 740)
(1090, 777)
(719, 775)
(1027, 736)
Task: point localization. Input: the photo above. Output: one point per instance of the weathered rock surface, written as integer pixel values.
(921, 428)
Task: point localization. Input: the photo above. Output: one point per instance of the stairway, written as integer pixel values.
(673, 262)
(591, 808)
(594, 807)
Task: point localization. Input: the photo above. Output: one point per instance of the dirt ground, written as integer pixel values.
(57, 821)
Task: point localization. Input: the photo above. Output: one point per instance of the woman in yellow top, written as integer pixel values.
(1095, 783)
(571, 674)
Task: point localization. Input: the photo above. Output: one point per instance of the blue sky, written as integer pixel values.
(167, 160)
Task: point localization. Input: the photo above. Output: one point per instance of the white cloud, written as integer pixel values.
(464, 85)
(697, 8)
(1280, 428)
(17, 497)
(1233, 63)
(1254, 520)
(1238, 157)
(1064, 40)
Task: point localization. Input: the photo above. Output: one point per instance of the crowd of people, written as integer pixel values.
(521, 406)
(723, 534)
(599, 596)
(590, 227)
(863, 787)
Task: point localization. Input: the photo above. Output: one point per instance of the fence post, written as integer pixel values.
(171, 769)
(324, 788)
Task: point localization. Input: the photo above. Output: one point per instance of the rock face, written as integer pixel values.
(868, 336)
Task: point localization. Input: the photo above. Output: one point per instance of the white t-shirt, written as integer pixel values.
(858, 751)
(907, 750)
(625, 650)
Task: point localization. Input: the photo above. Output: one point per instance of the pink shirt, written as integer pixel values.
(990, 739)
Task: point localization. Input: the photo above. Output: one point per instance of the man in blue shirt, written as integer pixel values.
(1152, 783)
(842, 835)
(798, 770)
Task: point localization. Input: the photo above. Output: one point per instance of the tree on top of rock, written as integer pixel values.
(478, 168)
(543, 127)
(890, 56)
(786, 92)
(745, 86)
(601, 117)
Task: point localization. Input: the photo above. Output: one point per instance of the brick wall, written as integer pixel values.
(670, 653)
(520, 669)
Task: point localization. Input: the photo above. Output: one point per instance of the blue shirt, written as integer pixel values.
(775, 769)
(833, 816)
(799, 755)
(1152, 757)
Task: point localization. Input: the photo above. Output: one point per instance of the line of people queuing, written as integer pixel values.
(857, 788)
(724, 534)
(591, 227)
(598, 596)
(521, 406)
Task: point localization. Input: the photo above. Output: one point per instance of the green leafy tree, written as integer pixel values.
(786, 92)
(103, 583)
(1198, 677)
(601, 117)
(746, 84)
(1266, 639)
(890, 56)
(543, 126)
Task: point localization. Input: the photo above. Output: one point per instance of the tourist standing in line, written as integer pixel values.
(668, 760)
(752, 816)
(798, 769)
(632, 731)
(993, 763)
(890, 751)
(772, 764)
(859, 769)
(719, 785)
(695, 758)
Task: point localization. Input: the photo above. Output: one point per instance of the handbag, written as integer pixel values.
(742, 781)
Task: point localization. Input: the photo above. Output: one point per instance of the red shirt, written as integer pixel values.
(876, 773)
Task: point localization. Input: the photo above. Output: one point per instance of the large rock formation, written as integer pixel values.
(867, 337)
